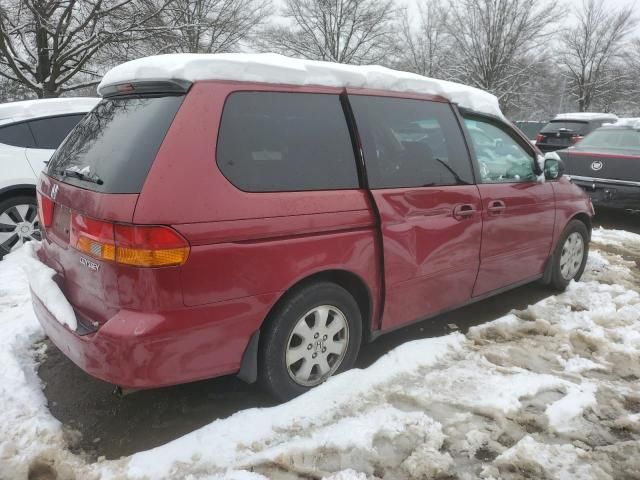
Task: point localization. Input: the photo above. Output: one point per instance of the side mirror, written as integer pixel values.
(553, 166)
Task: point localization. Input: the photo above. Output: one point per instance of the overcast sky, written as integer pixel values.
(614, 3)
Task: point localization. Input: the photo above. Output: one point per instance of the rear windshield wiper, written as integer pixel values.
(82, 176)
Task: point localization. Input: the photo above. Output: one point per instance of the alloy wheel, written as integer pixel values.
(18, 224)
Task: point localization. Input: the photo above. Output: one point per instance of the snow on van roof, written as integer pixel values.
(585, 116)
(274, 68)
(16, 111)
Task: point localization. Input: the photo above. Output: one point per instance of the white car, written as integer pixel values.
(30, 132)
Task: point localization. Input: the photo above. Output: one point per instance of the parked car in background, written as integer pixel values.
(569, 128)
(30, 131)
(530, 128)
(607, 165)
(267, 229)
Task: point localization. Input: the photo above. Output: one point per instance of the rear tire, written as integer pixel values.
(18, 222)
(570, 257)
(313, 334)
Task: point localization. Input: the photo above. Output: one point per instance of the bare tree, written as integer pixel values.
(209, 26)
(592, 48)
(425, 44)
(48, 45)
(497, 43)
(343, 31)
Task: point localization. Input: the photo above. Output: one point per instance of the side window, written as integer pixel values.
(410, 143)
(270, 141)
(500, 158)
(17, 135)
(49, 132)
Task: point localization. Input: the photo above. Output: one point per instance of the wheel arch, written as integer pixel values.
(584, 218)
(16, 190)
(351, 282)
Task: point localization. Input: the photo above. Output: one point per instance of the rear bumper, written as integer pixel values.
(620, 195)
(145, 350)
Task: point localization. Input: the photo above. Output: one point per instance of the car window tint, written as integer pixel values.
(500, 158)
(49, 132)
(410, 143)
(272, 141)
(17, 135)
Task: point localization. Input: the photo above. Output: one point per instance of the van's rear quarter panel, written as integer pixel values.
(246, 244)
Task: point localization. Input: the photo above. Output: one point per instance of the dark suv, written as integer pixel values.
(567, 129)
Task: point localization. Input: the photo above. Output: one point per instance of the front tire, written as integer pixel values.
(570, 258)
(313, 334)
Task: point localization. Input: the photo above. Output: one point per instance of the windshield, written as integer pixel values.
(612, 138)
(579, 128)
(111, 150)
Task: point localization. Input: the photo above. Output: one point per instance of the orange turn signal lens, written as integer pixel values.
(102, 251)
(142, 257)
(136, 245)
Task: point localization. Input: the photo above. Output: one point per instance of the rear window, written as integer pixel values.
(611, 138)
(272, 141)
(114, 146)
(580, 128)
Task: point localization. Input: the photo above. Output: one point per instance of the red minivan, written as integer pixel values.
(201, 226)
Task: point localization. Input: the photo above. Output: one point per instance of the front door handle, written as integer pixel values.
(496, 207)
(460, 212)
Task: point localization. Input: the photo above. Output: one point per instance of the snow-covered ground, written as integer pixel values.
(548, 392)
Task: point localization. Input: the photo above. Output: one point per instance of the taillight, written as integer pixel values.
(137, 245)
(45, 210)
(153, 246)
(93, 237)
(540, 138)
(575, 139)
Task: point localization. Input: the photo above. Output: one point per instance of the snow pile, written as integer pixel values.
(46, 289)
(547, 392)
(585, 116)
(28, 432)
(15, 111)
(278, 69)
(627, 122)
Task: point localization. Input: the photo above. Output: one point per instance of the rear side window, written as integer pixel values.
(113, 147)
(50, 132)
(271, 141)
(579, 128)
(411, 143)
(17, 135)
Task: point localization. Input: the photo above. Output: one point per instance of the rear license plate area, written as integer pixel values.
(61, 225)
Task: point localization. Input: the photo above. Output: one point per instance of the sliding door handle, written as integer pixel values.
(460, 212)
